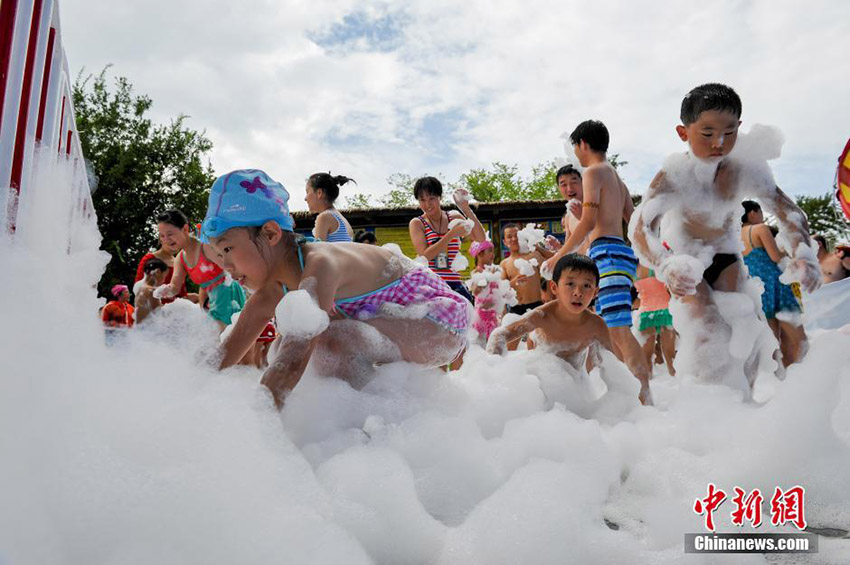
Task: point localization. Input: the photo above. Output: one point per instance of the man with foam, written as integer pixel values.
(687, 229)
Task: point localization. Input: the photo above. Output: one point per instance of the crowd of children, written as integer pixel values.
(685, 280)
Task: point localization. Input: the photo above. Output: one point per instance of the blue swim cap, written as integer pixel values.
(248, 197)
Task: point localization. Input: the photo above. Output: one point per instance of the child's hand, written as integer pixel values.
(164, 291)
(552, 243)
(548, 268)
(681, 273)
(461, 227)
(497, 344)
(462, 197)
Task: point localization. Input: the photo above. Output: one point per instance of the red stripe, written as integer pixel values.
(23, 109)
(68, 145)
(7, 25)
(45, 81)
(61, 123)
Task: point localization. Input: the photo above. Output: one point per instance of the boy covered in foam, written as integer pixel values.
(351, 306)
(564, 325)
(606, 204)
(687, 228)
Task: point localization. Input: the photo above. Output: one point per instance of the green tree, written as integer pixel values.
(824, 216)
(141, 169)
(358, 200)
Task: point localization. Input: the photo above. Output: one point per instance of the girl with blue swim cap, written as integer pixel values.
(351, 306)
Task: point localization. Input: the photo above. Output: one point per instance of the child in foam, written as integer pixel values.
(655, 319)
(219, 293)
(606, 204)
(565, 326)
(155, 271)
(347, 306)
(322, 191)
(698, 195)
(485, 289)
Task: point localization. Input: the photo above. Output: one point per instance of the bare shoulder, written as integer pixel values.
(659, 184)
(416, 223)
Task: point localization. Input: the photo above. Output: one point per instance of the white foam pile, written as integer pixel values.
(139, 453)
(529, 237)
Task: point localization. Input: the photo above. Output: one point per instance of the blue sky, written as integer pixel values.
(368, 89)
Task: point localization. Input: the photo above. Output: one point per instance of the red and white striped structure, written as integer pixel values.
(35, 97)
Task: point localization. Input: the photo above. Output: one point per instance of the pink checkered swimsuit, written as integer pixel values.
(445, 307)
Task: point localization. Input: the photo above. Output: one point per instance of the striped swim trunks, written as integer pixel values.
(617, 266)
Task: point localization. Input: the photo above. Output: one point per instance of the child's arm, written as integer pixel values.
(461, 198)
(257, 312)
(589, 214)
(501, 337)
(795, 229)
(320, 282)
(644, 227)
(172, 289)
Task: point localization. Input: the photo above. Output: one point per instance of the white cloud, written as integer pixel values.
(446, 86)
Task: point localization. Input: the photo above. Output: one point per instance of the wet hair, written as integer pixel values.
(427, 186)
(821, 240)
(364, 236)
(510, 225)
(592, 132)
(711, 96)
(544, 284)
(567, 170)
(575, 262)
(749, 206)
(328, 184)
(155, 264)
(173, 217)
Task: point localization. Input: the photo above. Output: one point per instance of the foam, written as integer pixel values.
(141, 453)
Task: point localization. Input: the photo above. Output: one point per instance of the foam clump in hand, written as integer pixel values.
(468, 225)
(460, 263)
(526, 267)
(163, 291)
(529, 237)
(300, 315)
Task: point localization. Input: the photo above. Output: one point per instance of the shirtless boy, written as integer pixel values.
(570, 186)
(607, 203)
(565, 324)
(702, 191)
(527, 287)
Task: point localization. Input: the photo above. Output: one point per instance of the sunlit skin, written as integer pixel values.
(571, 189)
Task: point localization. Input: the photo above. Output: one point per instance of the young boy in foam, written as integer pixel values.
(571, 188)
(693, 205)
(607, 203)
(565, 326)
(346, 306)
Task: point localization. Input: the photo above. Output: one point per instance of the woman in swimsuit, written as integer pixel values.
(762, 257)
(322, 190)
(434, 238)
(349, 306)
(221, 296)
(167, 224)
